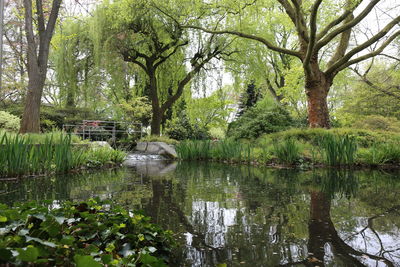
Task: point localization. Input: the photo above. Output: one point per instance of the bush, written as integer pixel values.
(90, 233)
(376, 122)
(259, 120)
(364, 138)
(180, 128)
(9, 122)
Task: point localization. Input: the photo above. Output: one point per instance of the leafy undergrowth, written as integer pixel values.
(87, 234)
(302, 147)
(22, 156)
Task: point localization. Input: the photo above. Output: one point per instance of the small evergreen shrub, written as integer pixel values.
(180, 128)
(9, 122)
(91, 233)
(260, 120)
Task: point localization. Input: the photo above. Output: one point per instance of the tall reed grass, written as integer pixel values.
(224, 150)
(339, 150)
(20, 155)
(288, 151)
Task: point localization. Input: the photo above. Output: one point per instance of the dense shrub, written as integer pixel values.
(9, 122)
(364, 138)
(91, 233)
(260, 120)
(377, 122)
(180, 128)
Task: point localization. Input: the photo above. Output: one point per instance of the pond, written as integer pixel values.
(246, 216)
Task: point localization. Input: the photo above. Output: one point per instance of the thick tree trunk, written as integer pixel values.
(31, 117)
(317, 89)
(156, 123)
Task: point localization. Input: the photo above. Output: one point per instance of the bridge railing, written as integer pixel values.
(104, 130)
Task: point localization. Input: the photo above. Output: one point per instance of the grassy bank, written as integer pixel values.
(24, 155)
(302, 147)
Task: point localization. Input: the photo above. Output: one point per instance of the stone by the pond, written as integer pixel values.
(100, 144)
(158, 148)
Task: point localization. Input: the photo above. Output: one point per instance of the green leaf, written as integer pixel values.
(3, 218)
(106, 259)
(86, 261)
(40, 241)
(5, 254)
(28, 254)
(67, 240)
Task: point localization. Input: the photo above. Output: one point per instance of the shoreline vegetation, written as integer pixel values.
(51, 153)
(302, 148)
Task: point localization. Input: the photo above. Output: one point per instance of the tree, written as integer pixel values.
(37, 57)
(325, 33)
(146, 37)
(248, 99)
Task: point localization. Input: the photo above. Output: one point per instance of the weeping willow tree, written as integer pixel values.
(140, 34)
(84, 79)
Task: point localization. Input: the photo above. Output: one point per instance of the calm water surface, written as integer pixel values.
(245, 216)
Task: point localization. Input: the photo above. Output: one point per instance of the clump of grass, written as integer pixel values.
(227, 150)
(380, 153)
(339, 150)
(20, 155)
(224, 150)
(102, 156)
(194, 150)
(288, 151)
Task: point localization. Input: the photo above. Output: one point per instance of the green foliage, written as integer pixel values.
(210, 112)
(288, 151)
(180, 128)
(339, 150)
(36, 154)
(194, 150)
(223, 150)
(380, 153)
(266, 117)
(377, 122)
(137, 110)
(102, 156)
(364, 138)
(9, 122)
(85, 234)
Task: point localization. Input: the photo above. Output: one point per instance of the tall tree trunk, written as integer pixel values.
(31, 117)
(317, 88)
(156, 122)
(37, 57)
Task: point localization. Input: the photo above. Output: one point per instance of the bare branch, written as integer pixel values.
(251, 37)
(313, 32)
(321, 43)
(345, 61)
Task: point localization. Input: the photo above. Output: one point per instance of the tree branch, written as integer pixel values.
(164, 58)
(251, 37)
(321, 43)
(313, 32)
(337, 21)
(345, 62)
